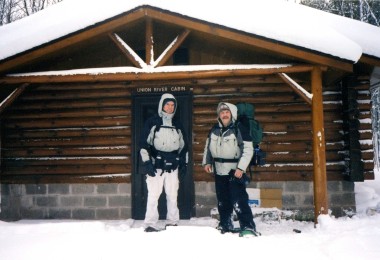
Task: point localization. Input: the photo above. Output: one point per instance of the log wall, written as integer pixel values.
(63, 131)
(82, 132)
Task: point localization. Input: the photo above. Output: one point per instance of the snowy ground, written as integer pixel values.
(344, 238)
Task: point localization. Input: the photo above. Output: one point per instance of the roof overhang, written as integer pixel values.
(142, 12)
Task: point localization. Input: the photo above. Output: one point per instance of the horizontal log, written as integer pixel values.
(72, 95)
(283, 175)
(74, 104)
(68, 170)
(289, 157)
(59, 123)
(61, 161)
(57, 143)
(238, 88)
(117, 77)
(69, 113)
(210, 109)
(255, 99)
(67, 151)
(71, 132)
(69, 86)
(368, 166)
(284, 147)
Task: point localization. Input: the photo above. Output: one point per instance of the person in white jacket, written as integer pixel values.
(163, 151)
(227, 154)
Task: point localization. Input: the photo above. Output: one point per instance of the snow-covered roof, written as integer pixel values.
(278, 20)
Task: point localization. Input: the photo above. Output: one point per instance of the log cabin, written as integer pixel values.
(75, 90)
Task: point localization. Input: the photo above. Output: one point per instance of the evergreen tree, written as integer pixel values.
(363, 10)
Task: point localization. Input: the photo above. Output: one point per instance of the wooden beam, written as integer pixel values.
(149, 42)
(140, 76)
(370, 60)
(319, 146)
(127, 51)
(12, 97)
(297, 88)
(171, 48)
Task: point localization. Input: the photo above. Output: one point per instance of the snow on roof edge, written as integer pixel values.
(19, 42)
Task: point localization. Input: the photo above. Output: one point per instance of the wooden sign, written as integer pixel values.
(160, 89)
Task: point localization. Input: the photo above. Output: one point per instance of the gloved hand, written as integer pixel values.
(147, 168)
(243, 180)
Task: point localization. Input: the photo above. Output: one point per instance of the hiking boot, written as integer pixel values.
(151, 229)
(227, 229)
(171, 225)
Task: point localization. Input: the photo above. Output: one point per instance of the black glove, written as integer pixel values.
(147, 168)
(243, 180)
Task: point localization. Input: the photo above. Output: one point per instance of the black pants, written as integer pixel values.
(231, 195)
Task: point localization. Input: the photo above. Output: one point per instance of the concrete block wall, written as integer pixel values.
(113, 201)
(296, 196)
(66, 201)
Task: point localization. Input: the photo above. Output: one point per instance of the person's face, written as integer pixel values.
(225, 116)
(169, 107)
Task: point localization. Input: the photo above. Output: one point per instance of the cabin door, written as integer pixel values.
(144, 106)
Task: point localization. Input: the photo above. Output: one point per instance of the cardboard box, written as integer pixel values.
(265, 198)
(271, 198)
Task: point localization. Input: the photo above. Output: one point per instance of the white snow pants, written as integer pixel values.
(168, 181)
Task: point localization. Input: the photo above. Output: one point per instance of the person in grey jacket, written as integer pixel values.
(163, 151)
(227, 154)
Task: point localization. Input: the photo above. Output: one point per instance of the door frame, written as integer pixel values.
(149, 97)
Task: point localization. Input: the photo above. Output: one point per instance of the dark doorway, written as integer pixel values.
(144, 105)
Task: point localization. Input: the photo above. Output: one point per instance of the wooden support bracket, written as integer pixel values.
(12, 97)
(303, 93)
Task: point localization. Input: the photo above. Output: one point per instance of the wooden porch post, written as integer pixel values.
(319, 146)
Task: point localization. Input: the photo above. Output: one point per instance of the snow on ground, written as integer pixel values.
(332, 238)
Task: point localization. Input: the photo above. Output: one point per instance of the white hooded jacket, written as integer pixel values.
(169, 137)
(233, 143)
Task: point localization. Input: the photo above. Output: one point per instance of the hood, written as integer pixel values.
(231, 107)
(161, 104)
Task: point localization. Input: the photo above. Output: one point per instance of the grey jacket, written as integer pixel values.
(231, 142)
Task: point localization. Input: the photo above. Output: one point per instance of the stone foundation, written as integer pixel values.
(113, 201)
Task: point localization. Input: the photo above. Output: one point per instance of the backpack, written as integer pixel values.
(246, 117)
